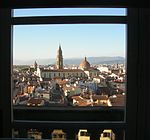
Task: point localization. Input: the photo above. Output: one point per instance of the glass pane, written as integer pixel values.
(71, 134)
(77, 66)
(69, 11)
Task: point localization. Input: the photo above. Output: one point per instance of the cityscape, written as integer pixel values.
(75, 85)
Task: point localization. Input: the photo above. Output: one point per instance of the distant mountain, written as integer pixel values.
(75, 61)
(96, 60)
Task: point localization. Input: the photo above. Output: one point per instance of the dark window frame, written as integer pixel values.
(135, 26)
(70, 20)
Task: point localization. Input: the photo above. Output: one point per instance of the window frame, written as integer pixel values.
(69, 20)
(132, 66)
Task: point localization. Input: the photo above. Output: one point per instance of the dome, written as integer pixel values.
(84, 64)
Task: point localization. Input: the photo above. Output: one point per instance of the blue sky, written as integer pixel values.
(77, 40)
(69, 11)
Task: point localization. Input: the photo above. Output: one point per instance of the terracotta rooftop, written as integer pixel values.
(119, 100)
(81, 101)
(35, 101)
(84, 64)
(100, 97)
(23, 98)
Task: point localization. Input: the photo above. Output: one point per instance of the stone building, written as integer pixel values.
(84, 70)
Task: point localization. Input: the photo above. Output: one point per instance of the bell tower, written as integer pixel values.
(35, 65)
(59, 59)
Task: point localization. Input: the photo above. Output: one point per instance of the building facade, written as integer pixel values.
(84, 70)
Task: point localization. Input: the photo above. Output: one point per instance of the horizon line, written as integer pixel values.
(66, 58)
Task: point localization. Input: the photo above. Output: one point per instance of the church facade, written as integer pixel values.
(84, 70)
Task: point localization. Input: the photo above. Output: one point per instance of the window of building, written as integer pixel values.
(30, 121)
(49, 75)
(85, 36)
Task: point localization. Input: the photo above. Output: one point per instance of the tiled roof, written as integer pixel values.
(23, 98)
(84, 64)
(119, 100)
(81, 101)
(35, 101)
(100, 97)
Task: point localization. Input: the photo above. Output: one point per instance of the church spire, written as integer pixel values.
(35, 65)
(59, 59)
(59, 46)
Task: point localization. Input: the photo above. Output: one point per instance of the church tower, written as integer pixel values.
(35, 65)
(59, 59)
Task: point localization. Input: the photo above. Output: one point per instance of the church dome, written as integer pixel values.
(84, 64)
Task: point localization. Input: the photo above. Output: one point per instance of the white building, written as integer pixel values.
(46, 75)
(103, 69)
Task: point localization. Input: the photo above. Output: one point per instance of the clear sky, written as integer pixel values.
(69, 11)
(32, 42)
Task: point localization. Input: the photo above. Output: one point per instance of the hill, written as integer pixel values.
(75, 61)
